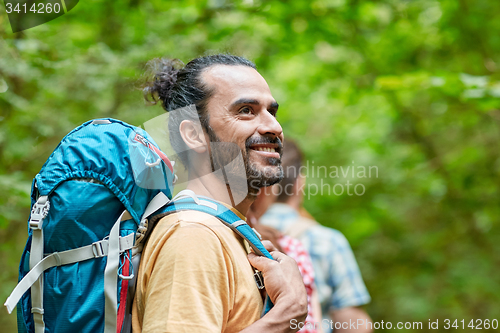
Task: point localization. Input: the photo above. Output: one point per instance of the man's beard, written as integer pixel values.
(247, 177)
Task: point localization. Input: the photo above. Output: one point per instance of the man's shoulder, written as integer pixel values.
(183, 229)
(189, 216)
(189, 227)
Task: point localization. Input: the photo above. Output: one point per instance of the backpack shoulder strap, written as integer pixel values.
(225, 215)
(187, 200)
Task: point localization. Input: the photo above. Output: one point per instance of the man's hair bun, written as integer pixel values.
(160, 80)
(178, 86)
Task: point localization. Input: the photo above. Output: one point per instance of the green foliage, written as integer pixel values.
(410, 87)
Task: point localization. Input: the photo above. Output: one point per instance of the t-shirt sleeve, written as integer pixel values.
(189, 287)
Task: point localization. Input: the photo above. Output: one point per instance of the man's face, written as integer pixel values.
(242, 115)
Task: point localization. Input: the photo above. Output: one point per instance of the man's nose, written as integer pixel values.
(269, 125)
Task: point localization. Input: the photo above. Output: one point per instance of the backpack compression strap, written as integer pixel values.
(229, 219)
(38, 214)
(111, 247)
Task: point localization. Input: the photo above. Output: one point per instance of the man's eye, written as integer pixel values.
(245, 110)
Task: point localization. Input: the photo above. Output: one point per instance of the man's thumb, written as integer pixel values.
(256, 261)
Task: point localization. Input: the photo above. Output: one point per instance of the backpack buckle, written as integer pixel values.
(98, 250)
(141, 230)
(39, 212)
(37, 310)
(259, 279)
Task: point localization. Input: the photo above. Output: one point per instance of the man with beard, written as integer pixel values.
(196, 274)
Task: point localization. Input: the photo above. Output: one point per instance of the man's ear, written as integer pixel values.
(193, 136)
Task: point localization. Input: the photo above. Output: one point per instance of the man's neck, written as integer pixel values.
(294, 201)
(211, 187)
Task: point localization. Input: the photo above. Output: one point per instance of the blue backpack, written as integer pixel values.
(91, 203)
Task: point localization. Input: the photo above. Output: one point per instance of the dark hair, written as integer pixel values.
(178, 86)
(291, 161)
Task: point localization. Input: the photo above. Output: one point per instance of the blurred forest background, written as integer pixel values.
(409, 86)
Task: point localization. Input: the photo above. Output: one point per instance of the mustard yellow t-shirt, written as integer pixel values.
(194, 277)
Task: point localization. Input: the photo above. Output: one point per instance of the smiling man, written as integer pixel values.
(196, 274)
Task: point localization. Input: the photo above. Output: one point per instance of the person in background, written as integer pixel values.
(341, 289)
(295, 250)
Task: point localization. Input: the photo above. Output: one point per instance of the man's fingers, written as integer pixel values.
(279, 256)
(269, 246)
(264, 262)
(255, 260)
(259, 262)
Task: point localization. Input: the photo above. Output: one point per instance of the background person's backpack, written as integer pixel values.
(90, 207)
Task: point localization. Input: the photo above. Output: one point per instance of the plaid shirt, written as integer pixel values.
(337, 276)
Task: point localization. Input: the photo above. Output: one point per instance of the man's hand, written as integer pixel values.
(285, 287)
(281, 277)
